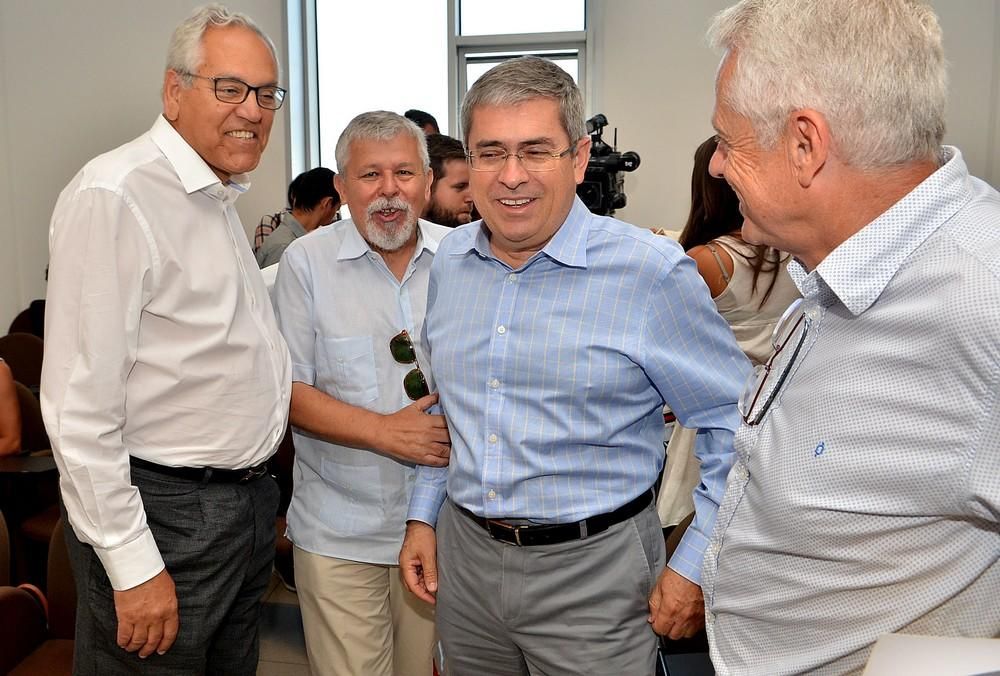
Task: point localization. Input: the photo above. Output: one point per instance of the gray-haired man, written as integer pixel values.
(866, 492)
(351, 302)
(165, 384)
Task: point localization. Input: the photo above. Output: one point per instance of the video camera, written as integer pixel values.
(603, 187)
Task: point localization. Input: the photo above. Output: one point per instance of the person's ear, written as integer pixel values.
(172, 86)
(808, 144)
(581, 159)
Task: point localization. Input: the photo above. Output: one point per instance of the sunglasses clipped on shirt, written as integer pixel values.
(414, 383)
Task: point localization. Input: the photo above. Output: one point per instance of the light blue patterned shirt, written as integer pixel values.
(338, 305)
(553, 376)
(867, 500)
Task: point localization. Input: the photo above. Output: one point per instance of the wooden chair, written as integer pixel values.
(30, 320)
(37, 634)
(34, 438)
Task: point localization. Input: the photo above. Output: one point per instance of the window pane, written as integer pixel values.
(489, 17)
(387, 55)
(476, 66)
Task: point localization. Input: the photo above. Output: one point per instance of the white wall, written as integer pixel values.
(79, 78)
(656, 78)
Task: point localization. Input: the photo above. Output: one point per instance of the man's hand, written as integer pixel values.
(676, 606)
(414, 435)
(147, 616)
(418, 561)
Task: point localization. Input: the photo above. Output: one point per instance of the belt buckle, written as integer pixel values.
(252, 473)
(508, 526)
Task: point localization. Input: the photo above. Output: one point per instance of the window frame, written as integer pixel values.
(302, 106)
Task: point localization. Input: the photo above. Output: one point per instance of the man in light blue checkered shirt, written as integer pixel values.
(865, 497)
(555, 337)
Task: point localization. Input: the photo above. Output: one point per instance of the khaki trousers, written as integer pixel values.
(360, 620)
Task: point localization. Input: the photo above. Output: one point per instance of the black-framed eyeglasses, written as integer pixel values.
(414, 383)
(750, 405)
(232, 90)
(494, 159)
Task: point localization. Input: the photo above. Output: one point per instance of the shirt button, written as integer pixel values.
(511, 278)
(493, 438)
(501, 330)
(494, 383)
(492, 494)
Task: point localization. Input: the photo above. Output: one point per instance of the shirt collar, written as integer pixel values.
(193, 172)
(288, 218)
(355, 246)
(567, 246)
(860, 268)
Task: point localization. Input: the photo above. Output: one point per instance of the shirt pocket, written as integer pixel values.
(346, 369)
(352, 505)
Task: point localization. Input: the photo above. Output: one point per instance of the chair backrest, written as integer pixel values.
(60, 587)
(30, 320)
(23, 354)
(4, 552)
(33, 434)
(23, 627)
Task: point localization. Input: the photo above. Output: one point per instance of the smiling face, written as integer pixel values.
(229, 137)
(763, 179)
(451, 197)
(385, 186)
(524, 209)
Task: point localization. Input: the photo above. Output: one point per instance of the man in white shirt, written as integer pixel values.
(351, 300)
(166, 383)
(865, 496)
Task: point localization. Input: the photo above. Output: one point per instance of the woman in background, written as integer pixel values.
(751, 289)
(749, 283)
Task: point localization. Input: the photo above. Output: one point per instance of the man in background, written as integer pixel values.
(165, 383)
(450, 203)
(427, 122)
(350, 302)
(865, 498)
(312, 203)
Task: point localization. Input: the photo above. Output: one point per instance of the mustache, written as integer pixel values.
(397, 203)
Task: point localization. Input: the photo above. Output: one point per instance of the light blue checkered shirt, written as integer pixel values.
(553, 376)
(866, 502)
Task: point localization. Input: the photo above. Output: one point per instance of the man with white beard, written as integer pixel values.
(350, 301)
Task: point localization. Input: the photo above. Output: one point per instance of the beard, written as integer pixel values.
(442, 216)
(389, 237)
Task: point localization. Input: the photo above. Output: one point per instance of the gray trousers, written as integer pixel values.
(217, 541)
(575, 608)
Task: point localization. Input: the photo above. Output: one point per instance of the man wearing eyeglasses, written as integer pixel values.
(351, 301)
(556, 337)
(866, 493)
(166, 383)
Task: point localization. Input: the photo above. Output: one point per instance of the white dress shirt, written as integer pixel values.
(160, 342)
(338, 306)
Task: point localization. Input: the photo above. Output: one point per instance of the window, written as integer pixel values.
(490, 32)
(386, 55)
(349, 57)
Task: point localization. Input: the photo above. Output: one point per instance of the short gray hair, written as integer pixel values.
(875, 70)
(184, 51)
(378, 125)
(523, 79)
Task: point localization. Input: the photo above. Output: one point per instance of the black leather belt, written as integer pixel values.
(207, 475)
(530, 535)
